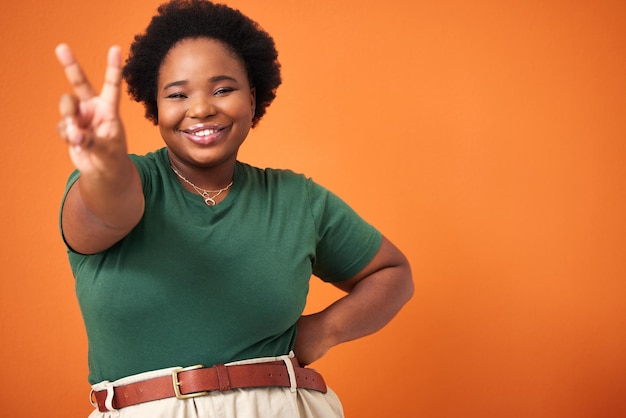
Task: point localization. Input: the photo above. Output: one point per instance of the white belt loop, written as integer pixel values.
(292, 373)
(109, 400)
(91, 401)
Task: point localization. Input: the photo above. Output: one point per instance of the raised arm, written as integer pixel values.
(106, 202)
(375, 296)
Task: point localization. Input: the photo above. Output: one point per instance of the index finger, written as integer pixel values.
(112, 77)
(74, 73)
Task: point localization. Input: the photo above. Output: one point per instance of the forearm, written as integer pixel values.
(369, 306)
(101, 208)
(374, 297)
(113, 196)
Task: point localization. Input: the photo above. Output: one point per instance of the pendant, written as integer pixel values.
(208, 199)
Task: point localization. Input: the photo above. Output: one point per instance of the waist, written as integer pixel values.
(194, 381)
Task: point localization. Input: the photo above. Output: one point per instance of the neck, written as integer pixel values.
(209, 178)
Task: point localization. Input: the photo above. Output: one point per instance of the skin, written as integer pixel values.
(201, 85)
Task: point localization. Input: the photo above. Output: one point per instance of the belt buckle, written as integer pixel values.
(176, 382)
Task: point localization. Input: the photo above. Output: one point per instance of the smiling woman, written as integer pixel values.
(209, 256)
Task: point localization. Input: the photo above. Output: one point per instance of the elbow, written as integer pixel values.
(408, 287)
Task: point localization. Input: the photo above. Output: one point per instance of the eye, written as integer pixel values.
(176, 96)
(223, 91)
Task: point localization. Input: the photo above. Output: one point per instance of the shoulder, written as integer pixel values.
(151, 161)
(271, 178)
(268, 172)
(153, 167)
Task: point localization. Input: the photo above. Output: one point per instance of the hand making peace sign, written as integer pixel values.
(108, 201)
(90, 123)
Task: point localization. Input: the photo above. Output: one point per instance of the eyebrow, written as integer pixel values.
(214, 79)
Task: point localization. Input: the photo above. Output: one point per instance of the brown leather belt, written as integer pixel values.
(196, 381)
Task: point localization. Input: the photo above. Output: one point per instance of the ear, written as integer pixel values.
(253, 100)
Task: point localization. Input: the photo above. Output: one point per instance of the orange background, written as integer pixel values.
(485, 138)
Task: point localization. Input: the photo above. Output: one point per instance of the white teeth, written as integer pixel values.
(206, 132)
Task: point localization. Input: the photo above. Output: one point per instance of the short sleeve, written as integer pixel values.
(345, 243)
(70, 182)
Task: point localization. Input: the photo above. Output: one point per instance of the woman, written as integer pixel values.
(187, 256)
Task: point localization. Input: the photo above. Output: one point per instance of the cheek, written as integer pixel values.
(168, 115)
(238, 106)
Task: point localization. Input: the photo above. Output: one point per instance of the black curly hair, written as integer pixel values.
(183, 19)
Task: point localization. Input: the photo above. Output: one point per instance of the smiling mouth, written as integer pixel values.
(203, 134)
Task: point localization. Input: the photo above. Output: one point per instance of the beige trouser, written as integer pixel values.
(238, 403)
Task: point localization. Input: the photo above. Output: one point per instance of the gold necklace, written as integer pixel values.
(206, 194)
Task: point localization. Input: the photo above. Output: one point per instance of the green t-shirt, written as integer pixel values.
(193, 284)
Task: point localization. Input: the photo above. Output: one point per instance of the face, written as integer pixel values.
(205, 103)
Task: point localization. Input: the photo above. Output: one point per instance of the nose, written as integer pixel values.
(201, 107)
